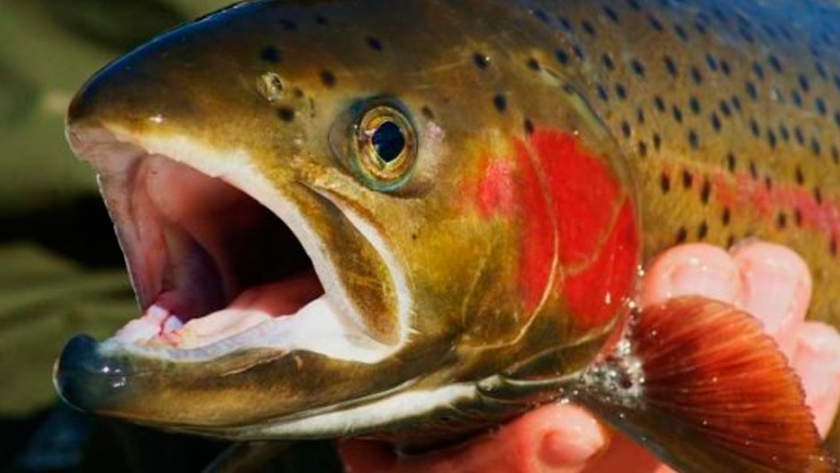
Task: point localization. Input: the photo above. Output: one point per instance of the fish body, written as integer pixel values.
(415, 219)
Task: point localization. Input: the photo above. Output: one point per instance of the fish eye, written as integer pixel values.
(385, 147)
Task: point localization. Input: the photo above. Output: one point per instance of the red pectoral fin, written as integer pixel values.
(702, 386)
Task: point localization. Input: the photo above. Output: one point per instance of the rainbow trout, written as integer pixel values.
(414, 219)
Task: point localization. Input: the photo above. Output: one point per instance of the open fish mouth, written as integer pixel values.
(217, 269)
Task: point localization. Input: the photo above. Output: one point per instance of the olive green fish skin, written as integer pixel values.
(696, 104)
(729, 115)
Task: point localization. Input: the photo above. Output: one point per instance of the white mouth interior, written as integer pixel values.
(216, 271)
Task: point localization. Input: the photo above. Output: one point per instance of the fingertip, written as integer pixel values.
(817, 361)
(691, 269)
(572, 438)
(776, 289)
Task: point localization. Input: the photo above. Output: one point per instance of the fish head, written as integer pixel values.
(334, 227)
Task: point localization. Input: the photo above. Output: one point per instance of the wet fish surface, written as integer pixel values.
(412, 220)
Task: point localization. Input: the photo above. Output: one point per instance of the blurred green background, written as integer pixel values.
(61, 271)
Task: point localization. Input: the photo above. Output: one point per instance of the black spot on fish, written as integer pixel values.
(731, 162)
(693, 139)
(659, 103)
(657, 141)
(625, 129)
(696, 77)
(677, 113)
(758, 71)
(753, 170)
(542, 16)
(803, 83)
(800, 137)
(640, 116)
(610, 13)
(270, 54)
(724, 108)
(286, 114)
(620, 92)
(711, 63)
(694, 105)
(797, 99)
(481, 61)
(771, 138)
(374, 43)
(637, 67)
(726, 216)
(774, 63)
(724, 67)
(702, 230)
(288, 25)
(816, 149)
(321, 20)
(700, 27)
(529, 126)
(835, 154)
(756, 131)
(797, 217)
(768, 183)
(500, 102)
(714, 121)
(534, 65)
(634, 5)
(837, 118)
(578, 51)
(602, 92)
(736, 103)
(687, 179)
(655, 23)
(705, 191)
(781, 220)
(819, 103)
(328, 78)
(427, 112)
(821, 70)
(752, 92)
(642, 148)
(800, 177)
(783, 131)
(665, 183)
(561, 56)
(832, 247)
(682, 235)
(588, 28)
(818, 198)
(607, 60)
(681, 33)
(565, 23)
(670, 66)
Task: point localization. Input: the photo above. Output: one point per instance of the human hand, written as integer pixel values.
(768, 281)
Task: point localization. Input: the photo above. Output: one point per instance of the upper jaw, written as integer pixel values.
(145, 183)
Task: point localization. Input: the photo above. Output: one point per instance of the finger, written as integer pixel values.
(552, 439)
(776, 288)
(817, 361)
(624, 452)
(690, 269)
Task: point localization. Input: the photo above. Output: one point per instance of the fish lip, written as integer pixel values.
(96, 144)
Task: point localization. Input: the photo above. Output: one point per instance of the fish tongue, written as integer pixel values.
(254, 306)
(698, 383)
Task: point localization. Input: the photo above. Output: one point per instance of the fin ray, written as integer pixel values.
(700, 384)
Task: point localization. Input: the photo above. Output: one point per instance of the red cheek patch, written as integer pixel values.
(597, 234)
(595, 294)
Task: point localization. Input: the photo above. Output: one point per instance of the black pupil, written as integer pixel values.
(388, 141)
